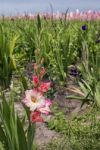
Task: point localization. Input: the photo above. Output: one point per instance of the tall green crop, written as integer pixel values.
(7, 60)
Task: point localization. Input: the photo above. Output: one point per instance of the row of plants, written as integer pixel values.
(59, 43)
(57, 50)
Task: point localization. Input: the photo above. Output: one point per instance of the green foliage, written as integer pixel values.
(80, 132)
(56, 51)
(90, 81)
(59, 122)
(1, 146)
(59, 44)
(27, 43)
(13, 134)
(7, 60)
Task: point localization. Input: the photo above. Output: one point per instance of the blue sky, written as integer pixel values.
(10, 7)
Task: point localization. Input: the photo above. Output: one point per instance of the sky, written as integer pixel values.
(12, 7)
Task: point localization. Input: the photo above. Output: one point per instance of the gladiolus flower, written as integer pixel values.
(48, 102)
(35, 80)
(33, 99)
(44, 86)
(36, 117)
(45, 108)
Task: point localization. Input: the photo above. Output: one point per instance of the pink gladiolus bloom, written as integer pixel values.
(45, 108)
(35, 80)
(44, 86)
(36, 117)
(33, 99)
(48, 102)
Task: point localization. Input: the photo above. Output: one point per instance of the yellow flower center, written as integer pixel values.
(33, 99)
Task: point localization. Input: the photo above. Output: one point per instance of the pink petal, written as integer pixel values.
(36, 117)
(48, 102)
(35, 80)
(44, 110)
(44, 86)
